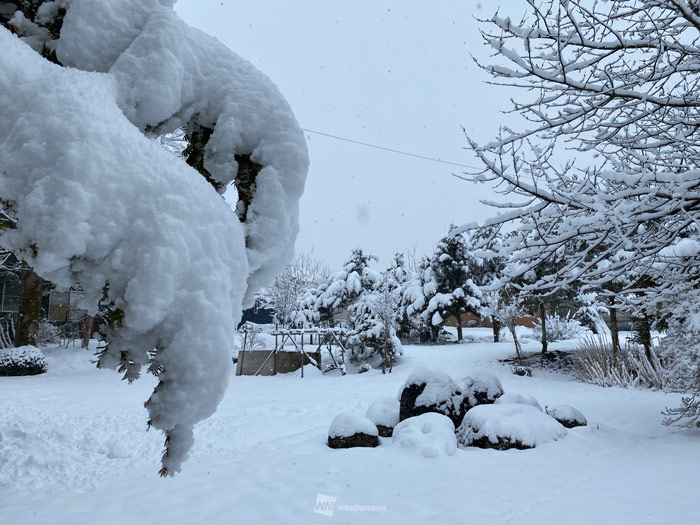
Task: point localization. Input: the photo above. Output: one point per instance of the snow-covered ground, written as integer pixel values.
(74, 449)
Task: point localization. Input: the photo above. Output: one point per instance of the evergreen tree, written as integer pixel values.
(456, 292)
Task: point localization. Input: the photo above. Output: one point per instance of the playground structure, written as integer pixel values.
(304, 346)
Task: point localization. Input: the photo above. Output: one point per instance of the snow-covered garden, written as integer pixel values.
(74, 449)
(539, 366)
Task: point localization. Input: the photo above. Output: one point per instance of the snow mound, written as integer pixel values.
(508, 426)
(513, 398)
(347, 425)
(432, 435)
(22, 361)
(567, 416)
(384, 412)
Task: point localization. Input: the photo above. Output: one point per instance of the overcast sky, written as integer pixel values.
(397, 74)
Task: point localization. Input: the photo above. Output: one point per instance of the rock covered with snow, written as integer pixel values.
(97, 202)
(351, 430)
(513, 398)
(384, 413)
(432, 435)
(480, 387)
(427, 390)
(567, 416)
(507, 426)
(22, 361)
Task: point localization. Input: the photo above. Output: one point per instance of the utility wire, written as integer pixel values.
(389, 149)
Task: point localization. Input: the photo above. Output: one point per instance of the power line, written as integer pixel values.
(389, 149)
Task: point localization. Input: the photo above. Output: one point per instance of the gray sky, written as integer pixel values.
(397, 74)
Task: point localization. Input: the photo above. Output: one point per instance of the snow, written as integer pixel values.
(439, 387)
(348, 424)
(516, 422)
(568, 413)
(99, 203)
(268, 437)
(430, 435)
(384, 411)
(510, 398)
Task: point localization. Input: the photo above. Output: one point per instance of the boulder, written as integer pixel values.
(428, 390)
(350, 430)
(505, 426)
(567, 416)
(384, 413)
(430, 435)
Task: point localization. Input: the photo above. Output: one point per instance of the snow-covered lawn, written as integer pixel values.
(74, 449)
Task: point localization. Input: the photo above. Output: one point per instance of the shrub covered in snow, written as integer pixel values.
(22, 361)
(350, 430)
(428, 390)
(512, 398)
(431, 435)
(567, 416)
(508, 426)
(384, 413)
(480, 387)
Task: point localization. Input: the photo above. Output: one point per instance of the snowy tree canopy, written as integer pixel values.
(609, 168)
(98, 203)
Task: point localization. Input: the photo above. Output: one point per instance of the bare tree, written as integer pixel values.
(300, 276)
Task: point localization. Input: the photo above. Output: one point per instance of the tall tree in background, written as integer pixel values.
(456, 292)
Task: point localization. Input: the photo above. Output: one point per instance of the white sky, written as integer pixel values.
(393, 73)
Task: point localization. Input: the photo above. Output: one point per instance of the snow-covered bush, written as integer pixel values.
(559, 328)
(351, 430)
(480, 387)
(568, 416)
(517, 399)
(431, 435)
(22, 361)
(384, 413)
(508, 426)
(597, 363)
(98, 203)
(427, 390)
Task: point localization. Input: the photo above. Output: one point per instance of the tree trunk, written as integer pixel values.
(645, 335)
(543, 322)
(27, 331)
(87, 331)
(459, 327)
(496, 331)
(614, 335)
(434, 333)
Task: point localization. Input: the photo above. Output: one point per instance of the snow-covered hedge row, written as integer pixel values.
(22, 361)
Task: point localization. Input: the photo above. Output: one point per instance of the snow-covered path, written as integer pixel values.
(74, 449)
